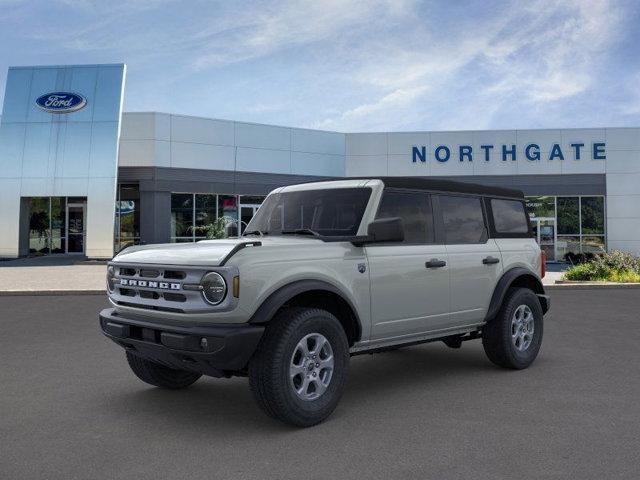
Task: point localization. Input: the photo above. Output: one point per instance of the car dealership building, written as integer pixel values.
(79, 176)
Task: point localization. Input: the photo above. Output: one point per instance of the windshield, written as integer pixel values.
(329, 212)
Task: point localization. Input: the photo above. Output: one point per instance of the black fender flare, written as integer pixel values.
(266, 311)
(522, 276)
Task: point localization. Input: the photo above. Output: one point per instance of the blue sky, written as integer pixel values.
(348, 65)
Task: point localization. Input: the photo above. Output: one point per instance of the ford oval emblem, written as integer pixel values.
(61, 102)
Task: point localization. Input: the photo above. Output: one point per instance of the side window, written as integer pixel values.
(463, 219)
(509, 216)
(415, 211)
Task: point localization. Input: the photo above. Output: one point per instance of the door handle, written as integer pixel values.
(435, 263)
(490, 260)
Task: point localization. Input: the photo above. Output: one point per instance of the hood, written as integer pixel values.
(205, 252)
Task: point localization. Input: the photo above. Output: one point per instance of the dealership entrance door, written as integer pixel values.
(76, 231)
(545, 232)
(53, 225)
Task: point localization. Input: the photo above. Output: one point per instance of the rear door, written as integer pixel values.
(409, 280)
(474, 258)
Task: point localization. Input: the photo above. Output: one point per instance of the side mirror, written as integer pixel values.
(386, 230)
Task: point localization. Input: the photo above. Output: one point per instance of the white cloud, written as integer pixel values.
(542, 52)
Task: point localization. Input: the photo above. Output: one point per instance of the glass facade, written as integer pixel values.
(192, 211)
(127, 219)
(57, 225)
(566, 226)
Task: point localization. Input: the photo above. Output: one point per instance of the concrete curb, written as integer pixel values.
(22, 293)
(591, 286)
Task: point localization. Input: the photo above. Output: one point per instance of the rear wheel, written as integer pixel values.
(159, 375)
(513, 338)
(299, 370)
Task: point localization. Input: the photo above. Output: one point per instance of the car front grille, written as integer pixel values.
(158, 288)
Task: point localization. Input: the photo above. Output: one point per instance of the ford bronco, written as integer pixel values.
(325, 271)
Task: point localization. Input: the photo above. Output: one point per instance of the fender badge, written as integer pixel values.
(362, 267)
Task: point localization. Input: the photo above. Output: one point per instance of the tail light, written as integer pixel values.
(543, 263)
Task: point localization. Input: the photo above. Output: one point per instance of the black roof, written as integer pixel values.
(436, 184)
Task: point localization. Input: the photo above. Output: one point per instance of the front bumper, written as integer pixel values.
(216, 350)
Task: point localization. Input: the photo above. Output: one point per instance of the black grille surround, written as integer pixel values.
(162, 288)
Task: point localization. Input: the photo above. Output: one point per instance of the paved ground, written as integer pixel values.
(70, 409)
(54, 274)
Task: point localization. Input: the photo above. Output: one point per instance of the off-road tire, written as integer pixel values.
(269, 376)
(497, 334)
(159, 375)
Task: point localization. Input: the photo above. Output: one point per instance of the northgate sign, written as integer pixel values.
(532, 152)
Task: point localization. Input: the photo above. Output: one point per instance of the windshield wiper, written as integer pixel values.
(255, 232)
(300, 231)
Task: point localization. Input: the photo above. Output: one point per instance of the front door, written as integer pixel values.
(75, 227)
(409, 280)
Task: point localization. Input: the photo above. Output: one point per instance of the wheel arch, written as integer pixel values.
(314, 294)
(515, 277)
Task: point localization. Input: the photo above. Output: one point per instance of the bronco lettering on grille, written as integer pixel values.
(145, 283)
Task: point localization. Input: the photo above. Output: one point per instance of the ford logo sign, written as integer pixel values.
(61, 102)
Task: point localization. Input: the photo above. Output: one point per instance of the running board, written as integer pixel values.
(466, 333)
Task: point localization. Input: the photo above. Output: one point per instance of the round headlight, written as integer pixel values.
(214, 288)
(111, 273)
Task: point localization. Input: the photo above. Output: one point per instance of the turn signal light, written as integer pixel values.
(236, 287)
(543, 263)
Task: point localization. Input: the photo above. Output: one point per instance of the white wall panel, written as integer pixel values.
(623, 161)
(623, 139)
(303, 163)
(623, 183)
(623, 229)
(363, 165)
(201, 130)
(140, 153)
(367, 144)
(139, 126)
(263, 136)
(631, 246)
(623, 206)
(197, 155)
(313, 141)
(263, 160)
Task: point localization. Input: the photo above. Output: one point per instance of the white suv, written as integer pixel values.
(327, 270)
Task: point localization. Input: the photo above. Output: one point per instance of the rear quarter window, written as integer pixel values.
(509, 216)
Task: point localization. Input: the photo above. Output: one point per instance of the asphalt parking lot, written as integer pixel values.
(70, 408)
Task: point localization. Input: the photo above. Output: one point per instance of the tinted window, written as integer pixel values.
(415, 211)
(509, 216)
(329, 212)
(463, 219)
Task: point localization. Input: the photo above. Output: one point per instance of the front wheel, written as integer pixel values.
(299, 370)
(513, 338)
